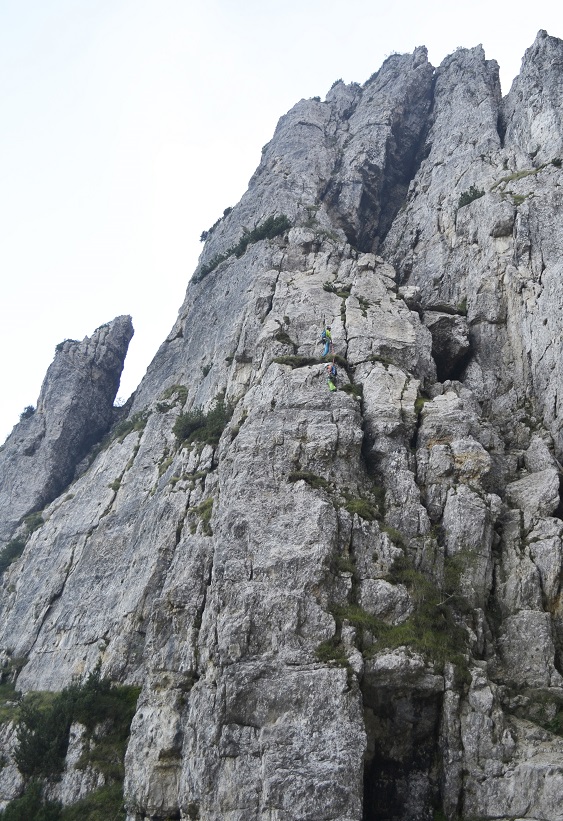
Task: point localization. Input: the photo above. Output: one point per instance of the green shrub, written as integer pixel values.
(179, 391)
(469, 196)
(11, 552)
(32, 807)
(33, 522)
(285, 339)
(364, 509)
(420, 402)
(9, 701)
(316, 482)
(342, 362)
(206, 234)
(204, 511)
(384, 360)
(332, 650)
(461, 306)
(395, 535)
(187, 423)
(519, 175)
(518, 199)
(61, 345)
(364, 305)
(270, 228)
(28, 411)
(11, 670)
(433, 628)
(343, 291)
(137, 422)
(297, 361)
(556, 161)
(343, 564)
(105, 804)
(44, 725)
(357, 616)
(543, 709)
(164, 465)
(43, 738)
(197, 426)
(353, 389)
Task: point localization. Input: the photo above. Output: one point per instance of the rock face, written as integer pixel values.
(339, 605)
(74, 410)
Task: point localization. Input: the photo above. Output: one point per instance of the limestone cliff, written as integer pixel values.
(340, 605)
(74, 410)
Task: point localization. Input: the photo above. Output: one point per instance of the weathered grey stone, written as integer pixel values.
(536, 495)
(527, 650)
(74, 410)
(532, 110)
(256, 584)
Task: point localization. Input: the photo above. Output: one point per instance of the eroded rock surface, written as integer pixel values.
(339, 605)
(74, 410)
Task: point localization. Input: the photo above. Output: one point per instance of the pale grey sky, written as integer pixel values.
(127, 126)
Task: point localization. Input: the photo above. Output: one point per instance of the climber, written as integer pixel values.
(326, 337)
(331, 375)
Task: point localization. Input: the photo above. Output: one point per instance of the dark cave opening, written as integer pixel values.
(401, 774)
(448, 367)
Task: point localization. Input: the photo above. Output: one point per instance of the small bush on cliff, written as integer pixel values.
(32, 807)
(364, 509)
(468, 196)
(124, 428)
(61, 345)
(105, 804)
(28, 411)
(433, 629)
(297, 361)
(33, 522)
(270, 228)
(316, 482)
(44, 726)
(11, 552)
(206, 234)
(356, 390)
(332, 650)
(204, 511)
(197, 426)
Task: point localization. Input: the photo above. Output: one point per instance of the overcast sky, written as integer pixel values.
(128, 126)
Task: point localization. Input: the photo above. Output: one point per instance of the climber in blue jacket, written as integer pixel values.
(326, 337)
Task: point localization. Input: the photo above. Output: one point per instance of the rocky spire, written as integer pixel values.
(74, 410)
(532, 112)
